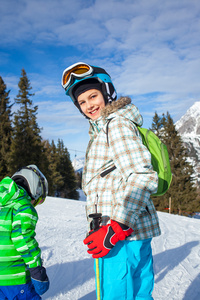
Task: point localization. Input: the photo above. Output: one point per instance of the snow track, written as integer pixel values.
(177, 259)
(62, 227)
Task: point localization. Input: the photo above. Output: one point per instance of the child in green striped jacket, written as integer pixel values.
(22, 275)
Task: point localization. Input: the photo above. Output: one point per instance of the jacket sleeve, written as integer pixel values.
(133, 162)
(23, 235)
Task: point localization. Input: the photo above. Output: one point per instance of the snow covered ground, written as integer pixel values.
(62, 227)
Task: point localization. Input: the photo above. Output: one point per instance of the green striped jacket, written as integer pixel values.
(19, 249)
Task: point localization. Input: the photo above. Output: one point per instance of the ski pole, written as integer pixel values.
(98, 279)
(94, 225)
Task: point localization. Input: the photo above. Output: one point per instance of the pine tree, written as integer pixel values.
(182, 191)
(157, 125)
(26, 146)
(60, 173)
(79, 179)
(5, 129)
(54, 177)
(68, 188)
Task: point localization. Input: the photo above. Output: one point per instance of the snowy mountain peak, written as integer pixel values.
(78, 164)
(189, 129)
(189, 124)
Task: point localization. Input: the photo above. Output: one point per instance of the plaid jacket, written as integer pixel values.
(118, 178)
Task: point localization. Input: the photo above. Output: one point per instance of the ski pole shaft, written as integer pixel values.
(98, 279)
(94, 225)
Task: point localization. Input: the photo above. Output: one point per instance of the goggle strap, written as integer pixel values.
(107, 88)
(110, 97)
(114, 95)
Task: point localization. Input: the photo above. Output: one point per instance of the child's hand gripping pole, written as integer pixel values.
(96, 221)
(94, 225)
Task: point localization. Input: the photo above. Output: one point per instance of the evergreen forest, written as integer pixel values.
(182, 197)
(21, 144)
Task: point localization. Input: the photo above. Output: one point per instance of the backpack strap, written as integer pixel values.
(107, 129)
(104, 173)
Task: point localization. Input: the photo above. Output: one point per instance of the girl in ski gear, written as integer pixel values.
(118, 180)
(22, 275)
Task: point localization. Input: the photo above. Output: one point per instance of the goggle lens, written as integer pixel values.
(40, 200)
(78, 70)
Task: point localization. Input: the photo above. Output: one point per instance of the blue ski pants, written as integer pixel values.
(19, 292)
(126, 273)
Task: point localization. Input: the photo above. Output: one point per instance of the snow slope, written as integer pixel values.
(62, 227)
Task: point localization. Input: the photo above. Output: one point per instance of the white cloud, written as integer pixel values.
(149, 47)
(62, 120)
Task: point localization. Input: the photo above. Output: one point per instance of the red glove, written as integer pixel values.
(101, 241)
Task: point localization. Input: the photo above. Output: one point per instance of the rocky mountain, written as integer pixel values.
(190, 122)
(78, 164)
(189, 129)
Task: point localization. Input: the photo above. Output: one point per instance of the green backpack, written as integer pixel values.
(159, 158)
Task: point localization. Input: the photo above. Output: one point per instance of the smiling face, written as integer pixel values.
(91, 102)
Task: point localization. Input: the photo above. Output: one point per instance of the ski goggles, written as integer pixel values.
(42, 187)
(78, 70)
(40, 200)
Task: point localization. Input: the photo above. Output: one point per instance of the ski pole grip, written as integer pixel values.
(94, 225)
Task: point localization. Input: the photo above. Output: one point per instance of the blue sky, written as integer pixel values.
(151, 49)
